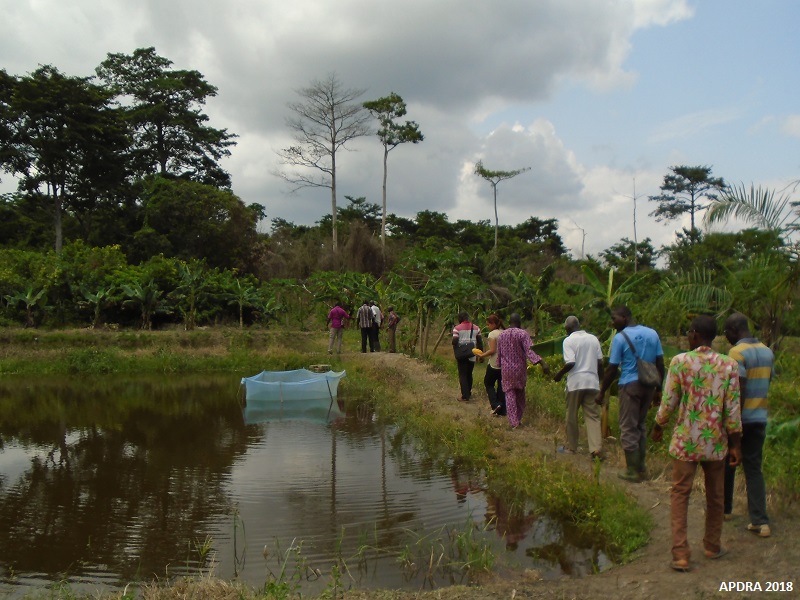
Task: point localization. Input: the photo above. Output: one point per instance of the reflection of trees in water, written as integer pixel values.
(562, 550)
(134, 471)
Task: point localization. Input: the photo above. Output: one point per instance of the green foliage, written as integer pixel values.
(30, 298)
(764, 289)
(628, 258)
(756, 206)
(162, 108)
(191, 220)
(146, 297)
(66, 141)
(717, 251)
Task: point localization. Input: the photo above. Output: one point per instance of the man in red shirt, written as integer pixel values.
(336, 321)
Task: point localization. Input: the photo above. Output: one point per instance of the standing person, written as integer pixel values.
(492, 379)
(634, 398)
(392, 319)
(703, 388)
(583, 365)
(755, 373)
(377, 318)
(513, 353)
(365, 319)
(465, 333)
(336, 321)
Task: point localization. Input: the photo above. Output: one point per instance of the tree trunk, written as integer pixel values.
(57, 217)
(383, 216)
(494, 187)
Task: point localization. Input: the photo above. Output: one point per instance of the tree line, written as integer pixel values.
(123, 215)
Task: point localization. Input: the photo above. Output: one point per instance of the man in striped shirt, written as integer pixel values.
(755, 373)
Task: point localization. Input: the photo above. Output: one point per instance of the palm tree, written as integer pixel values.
(765, 287)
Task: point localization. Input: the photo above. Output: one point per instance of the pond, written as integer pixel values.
(111, 480)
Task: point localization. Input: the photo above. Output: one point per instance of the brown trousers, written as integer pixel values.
(683, 473)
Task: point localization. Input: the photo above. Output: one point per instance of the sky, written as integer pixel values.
(598, 98)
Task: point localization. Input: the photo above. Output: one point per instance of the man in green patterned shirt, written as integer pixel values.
(702, 389)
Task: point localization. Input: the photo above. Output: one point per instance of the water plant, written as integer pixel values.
(292, 567)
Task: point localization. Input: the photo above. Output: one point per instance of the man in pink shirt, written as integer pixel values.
(336, 321)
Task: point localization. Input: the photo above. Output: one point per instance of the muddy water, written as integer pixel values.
(106, 481)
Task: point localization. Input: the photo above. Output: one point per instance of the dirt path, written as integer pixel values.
(774, 560)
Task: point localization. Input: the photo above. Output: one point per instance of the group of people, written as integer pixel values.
(370, 320)
(509, 351)
(718, 402)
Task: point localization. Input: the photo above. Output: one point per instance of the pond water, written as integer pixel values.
(115, 480)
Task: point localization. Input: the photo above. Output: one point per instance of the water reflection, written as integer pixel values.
(109, 481)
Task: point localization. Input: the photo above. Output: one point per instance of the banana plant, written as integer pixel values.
(96, 301)
(243, 295)
(146, 297)
(30, 298)
(530, 295)
(605, 296)
(190, 291)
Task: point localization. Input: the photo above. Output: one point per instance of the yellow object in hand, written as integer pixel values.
(477, 352)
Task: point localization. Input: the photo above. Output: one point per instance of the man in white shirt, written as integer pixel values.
(376, 325)
(583, 364)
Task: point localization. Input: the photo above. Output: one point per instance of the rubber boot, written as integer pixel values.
(632, 462)
(642, 454)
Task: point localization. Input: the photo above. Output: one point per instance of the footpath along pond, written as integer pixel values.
(110, 480)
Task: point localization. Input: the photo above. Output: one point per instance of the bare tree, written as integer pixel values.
(326, 118)
(495, 177)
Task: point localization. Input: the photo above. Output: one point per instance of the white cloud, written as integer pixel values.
(791, 126)
(694, 124)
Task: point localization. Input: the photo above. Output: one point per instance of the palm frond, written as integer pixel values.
(756, 206)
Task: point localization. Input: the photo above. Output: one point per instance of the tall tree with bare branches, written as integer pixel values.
(325, 119)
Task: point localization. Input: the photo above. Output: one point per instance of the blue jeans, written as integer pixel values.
(753, 435)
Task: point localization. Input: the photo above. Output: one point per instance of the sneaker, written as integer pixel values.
(598, 455)
(761, 530)
(565, 450)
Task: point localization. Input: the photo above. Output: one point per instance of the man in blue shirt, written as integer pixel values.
(634, 398)
(755, 373)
